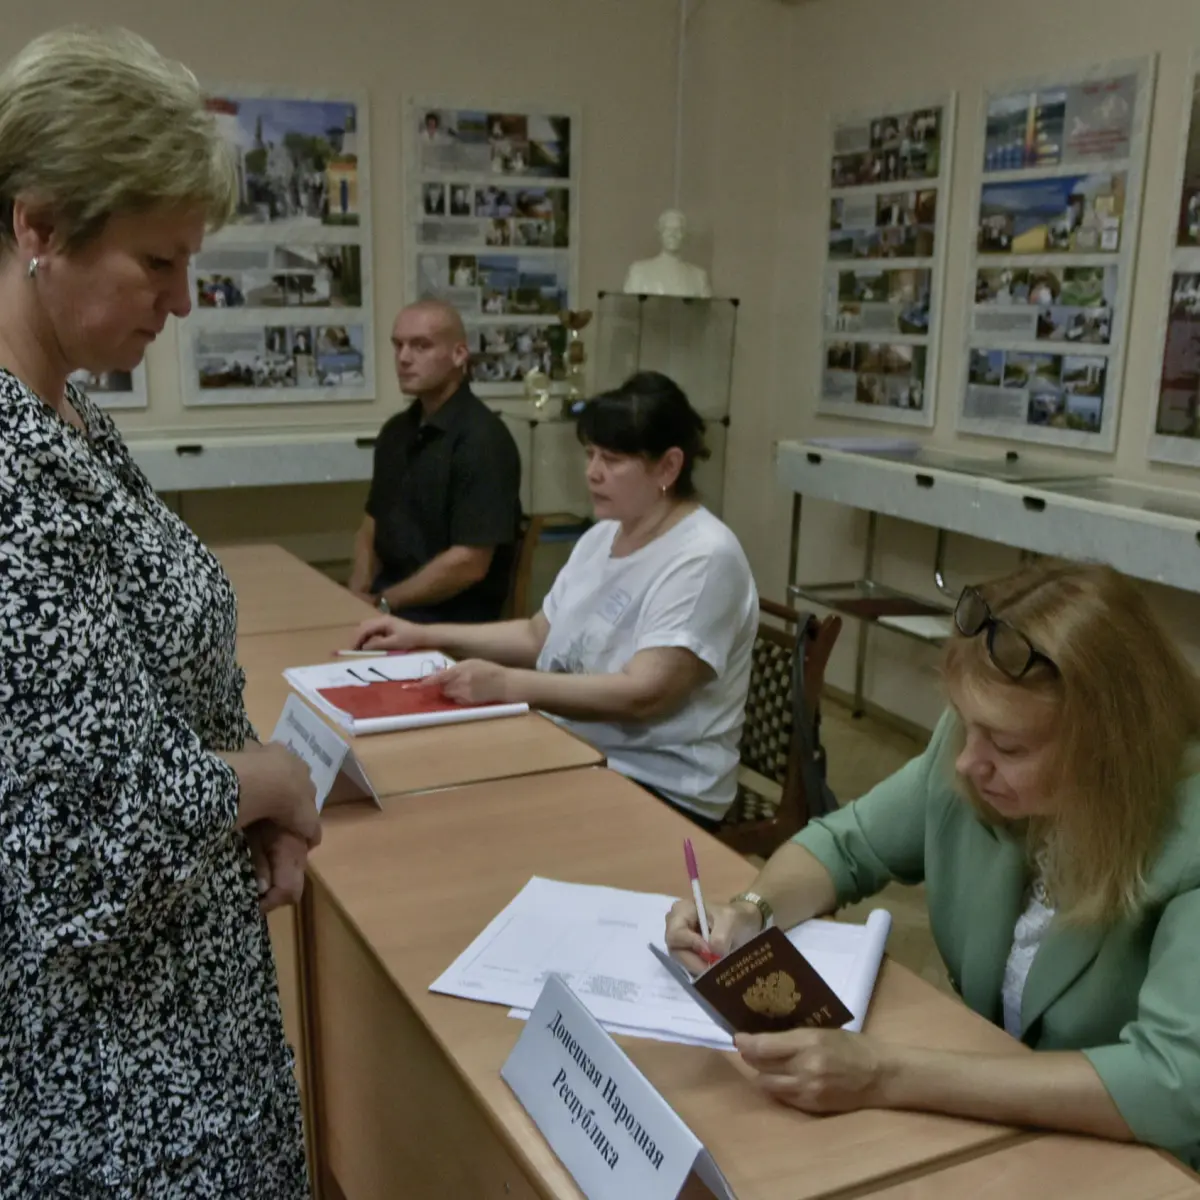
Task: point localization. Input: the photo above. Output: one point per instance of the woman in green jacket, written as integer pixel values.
(1055, 822)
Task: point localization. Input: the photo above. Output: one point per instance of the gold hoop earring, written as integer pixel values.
(32, 269)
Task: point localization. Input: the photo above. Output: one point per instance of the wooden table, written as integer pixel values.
(416, 760)
(1067, 1168)
(408, 1099)
(403, 1093)
(277, 591)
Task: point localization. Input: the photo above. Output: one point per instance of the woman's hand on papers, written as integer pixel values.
(390, 633)
(280, 859)
(729, 926)
(815, 1070)
(474, 682)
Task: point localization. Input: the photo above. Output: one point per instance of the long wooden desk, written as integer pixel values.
(408, 1097)
(276, 591)
(403, 1095)
(416, 760)
(1066, 1168)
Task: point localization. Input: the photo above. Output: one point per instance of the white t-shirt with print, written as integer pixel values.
(690, 588)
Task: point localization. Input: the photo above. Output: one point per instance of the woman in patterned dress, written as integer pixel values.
(143, 832)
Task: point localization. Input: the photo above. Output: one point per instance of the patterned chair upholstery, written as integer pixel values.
(757, 823)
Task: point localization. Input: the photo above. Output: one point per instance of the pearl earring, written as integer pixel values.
(33, 267)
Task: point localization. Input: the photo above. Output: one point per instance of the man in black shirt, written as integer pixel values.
(443, 512)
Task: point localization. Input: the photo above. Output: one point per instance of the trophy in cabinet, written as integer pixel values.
(575, 356)
(537, 387)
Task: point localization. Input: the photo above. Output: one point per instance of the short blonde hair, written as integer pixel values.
(1126, 707)
(97, 122)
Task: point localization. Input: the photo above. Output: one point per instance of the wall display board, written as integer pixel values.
(282, 296)
(1056, 209)
(492, 223)
(1175, 436)
(889, 173)
(114, 389)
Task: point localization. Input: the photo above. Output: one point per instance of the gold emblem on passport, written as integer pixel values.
(774, 995)
(767, 986)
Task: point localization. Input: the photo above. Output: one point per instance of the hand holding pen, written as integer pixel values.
(689, 856)
(699, 935)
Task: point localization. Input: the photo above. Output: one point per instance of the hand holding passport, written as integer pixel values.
(765, 986)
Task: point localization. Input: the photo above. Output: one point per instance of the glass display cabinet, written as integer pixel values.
(692, 341)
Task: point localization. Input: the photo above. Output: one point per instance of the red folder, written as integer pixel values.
(395, 698)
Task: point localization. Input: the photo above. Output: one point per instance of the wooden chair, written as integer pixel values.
(772, 743)
(522, 566)
(532, 529)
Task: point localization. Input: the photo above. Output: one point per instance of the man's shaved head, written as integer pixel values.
(431, 352)
(445, 317)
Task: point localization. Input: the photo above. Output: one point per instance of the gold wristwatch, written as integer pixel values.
(765, 910)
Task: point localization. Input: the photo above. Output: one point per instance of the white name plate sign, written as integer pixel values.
(603, 1118)
(336, 772)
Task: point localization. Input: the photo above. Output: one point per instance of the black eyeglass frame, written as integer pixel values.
(989, 626)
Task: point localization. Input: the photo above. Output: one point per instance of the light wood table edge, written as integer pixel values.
(328, 1188)
(324, 1184)
(577, 738)
(1179, 1164)
(536, 773)
(871, 1187)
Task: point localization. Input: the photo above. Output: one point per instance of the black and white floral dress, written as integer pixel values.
(141, 1043)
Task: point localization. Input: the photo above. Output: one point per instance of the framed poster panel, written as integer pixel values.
(114, 389)
(1056, 207)
(492, 227)
(282, 296)
(889, 175)
(1175, 429)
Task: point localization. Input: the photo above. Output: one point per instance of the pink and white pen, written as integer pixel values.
(689, 856)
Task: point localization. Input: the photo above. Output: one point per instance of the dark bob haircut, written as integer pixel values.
(646, 416)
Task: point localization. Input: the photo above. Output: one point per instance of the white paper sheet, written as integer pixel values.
(596, 938)
(362, 672)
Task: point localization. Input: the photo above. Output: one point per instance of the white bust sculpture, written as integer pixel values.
(668, 274)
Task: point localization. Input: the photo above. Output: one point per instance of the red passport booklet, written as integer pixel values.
(767, 986)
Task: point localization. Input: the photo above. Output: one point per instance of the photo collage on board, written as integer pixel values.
(493, 234)
(885, 178)
(1177, 416)
(1050, 257)
(113, 389)
(282, 302)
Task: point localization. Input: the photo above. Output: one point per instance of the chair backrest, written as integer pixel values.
(770, 708)
(781, 736)
(522, 566)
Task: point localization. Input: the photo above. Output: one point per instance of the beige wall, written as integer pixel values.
(737, 62)
(614, 59)
(762, 78)
(779, 71)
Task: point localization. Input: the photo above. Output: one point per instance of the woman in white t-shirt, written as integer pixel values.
(644, 642)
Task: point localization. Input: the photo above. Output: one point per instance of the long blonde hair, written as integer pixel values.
(1127, 711)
